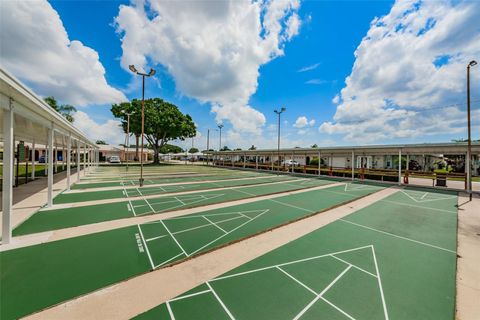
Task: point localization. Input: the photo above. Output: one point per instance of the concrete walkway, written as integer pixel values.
(468, 262)
(29, 198)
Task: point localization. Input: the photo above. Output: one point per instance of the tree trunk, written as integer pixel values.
(137, 137)
(156, 158)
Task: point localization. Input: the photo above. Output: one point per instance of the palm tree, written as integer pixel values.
(66, 110)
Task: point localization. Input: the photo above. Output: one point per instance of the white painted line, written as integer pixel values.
(167, 261)
(380, 284)
(415, 206)
(215, 240)
(220, 301)
(288, 263)
(426, 193)
(300, 314)
(356, 267)
(173, 237)
(291, 205)
(133, 208)
(298, 281)
(170, 312)
(338, 309)
(155, 238)
(214, 224)
(190, 295)
(204, 225)
(397, 236)
(146, 247)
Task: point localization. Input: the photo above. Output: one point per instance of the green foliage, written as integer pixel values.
(163, 122)
(252, 147)
(170, 148)
(100, 142)
(225, 148)
(238, 149)
(193, 150)
(314, 146)
(65, 110)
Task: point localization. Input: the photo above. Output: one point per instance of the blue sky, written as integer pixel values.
(400, 58)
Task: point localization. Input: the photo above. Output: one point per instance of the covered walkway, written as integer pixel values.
(27, 119)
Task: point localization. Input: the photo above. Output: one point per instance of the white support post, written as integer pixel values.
(69, 149)
(353, 165)
(78, 161)
(272, 162)
(319, 162)
(244, 160)
(256, 162)
(50, 167)
(63, 153)
(408, 159)
(84, 159)
(399, 166)
(7, 181)
(33, 160)
(55, 158)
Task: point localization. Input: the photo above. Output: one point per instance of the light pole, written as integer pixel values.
(151, 73)
(127, 138)
(469, 148)
(208, 144)
(220, 126)
(282, 110)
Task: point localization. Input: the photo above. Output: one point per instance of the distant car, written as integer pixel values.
(42, 159)
(114, 159)
(291, 163)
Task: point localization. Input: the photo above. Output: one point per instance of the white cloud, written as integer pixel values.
(303, 122)
(336, 99)
(315, 81)
(410, 60)
(36, 48)
(213, 49)
(110, 131)
(309, 68)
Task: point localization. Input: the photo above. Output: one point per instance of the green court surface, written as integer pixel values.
(68, 197)
(39, 276)
(131, 181)
(395, 259)
(52, 219)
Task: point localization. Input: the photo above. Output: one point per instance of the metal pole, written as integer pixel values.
(399, 166)
(50, 167)
(143, 130)
(469, 148)
(33, 160)
(78, 161)
(69, 149)
(353, 165)
(128, 138)
(208, 144)
(319, 162)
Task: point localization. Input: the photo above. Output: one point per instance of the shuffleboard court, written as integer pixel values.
(53, 219)
(34, 277)
(153, 180)
(146, 191)
(395, 259)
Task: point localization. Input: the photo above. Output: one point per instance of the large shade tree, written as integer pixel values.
(65, 110)
(163, 122)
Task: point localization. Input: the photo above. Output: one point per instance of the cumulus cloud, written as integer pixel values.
(212, 49)
(411, 60)
(36, 48)
(110, 131)
(303, 122)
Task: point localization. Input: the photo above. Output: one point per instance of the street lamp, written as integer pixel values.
(151, 73)
(469, 149)
(282, 110)
(220, 126)
(127, 138)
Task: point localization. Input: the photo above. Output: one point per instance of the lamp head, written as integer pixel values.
(132, 68)
(284, 109)
(472, 63)
(152, 72)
